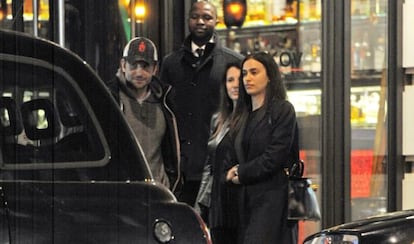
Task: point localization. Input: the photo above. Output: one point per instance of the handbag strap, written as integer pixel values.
(297, 167)
(294, 148)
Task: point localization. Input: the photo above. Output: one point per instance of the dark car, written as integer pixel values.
(71, 170)
(394, 227)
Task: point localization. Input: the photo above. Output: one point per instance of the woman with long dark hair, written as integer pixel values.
(216, 199)
(263, 129)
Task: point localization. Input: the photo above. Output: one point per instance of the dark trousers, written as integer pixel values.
(224, 235)
(189, 192)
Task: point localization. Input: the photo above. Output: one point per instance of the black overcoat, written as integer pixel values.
(196, 84)
(265, 146)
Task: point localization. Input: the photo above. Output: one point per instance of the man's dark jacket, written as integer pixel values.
(170, 143)
(196, 83)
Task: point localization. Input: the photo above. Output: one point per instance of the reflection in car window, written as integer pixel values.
(44, 120)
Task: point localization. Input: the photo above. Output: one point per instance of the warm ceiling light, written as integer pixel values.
(140, 11)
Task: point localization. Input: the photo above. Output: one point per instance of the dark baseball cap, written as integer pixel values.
(140, 49)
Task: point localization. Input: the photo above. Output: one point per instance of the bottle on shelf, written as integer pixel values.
(312, 10)
(355, 56)
(256, 13)
(306, 60)
(278, 8)
(219, 6)
(318, 9)
(316, 58)
(291, 11)
(379, 54)
(304, 10)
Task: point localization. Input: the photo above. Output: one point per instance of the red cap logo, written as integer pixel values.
(141, 47)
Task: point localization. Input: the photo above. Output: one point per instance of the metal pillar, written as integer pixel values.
(133, 21)
(35, 4)
(61, 22)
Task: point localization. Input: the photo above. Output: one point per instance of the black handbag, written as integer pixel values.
(303, 204)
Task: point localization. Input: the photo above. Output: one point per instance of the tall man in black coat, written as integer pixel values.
(195, 71)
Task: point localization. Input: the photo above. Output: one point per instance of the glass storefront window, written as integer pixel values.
(6, 16)
(274, 12)
(368, 111)
(290, 30)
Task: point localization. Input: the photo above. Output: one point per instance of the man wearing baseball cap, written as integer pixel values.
(145, 102)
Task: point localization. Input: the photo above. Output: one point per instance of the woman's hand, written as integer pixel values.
(233, 175)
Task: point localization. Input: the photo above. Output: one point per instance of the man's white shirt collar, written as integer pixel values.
(194, 47)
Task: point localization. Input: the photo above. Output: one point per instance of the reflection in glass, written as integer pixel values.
(4, 117)
(368, 111)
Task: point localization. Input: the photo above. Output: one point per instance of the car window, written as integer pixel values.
(45, 121)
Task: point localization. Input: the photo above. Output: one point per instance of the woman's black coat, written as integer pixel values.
(264, 150)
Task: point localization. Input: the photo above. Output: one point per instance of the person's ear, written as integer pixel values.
(122, 64)
(154, 72)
